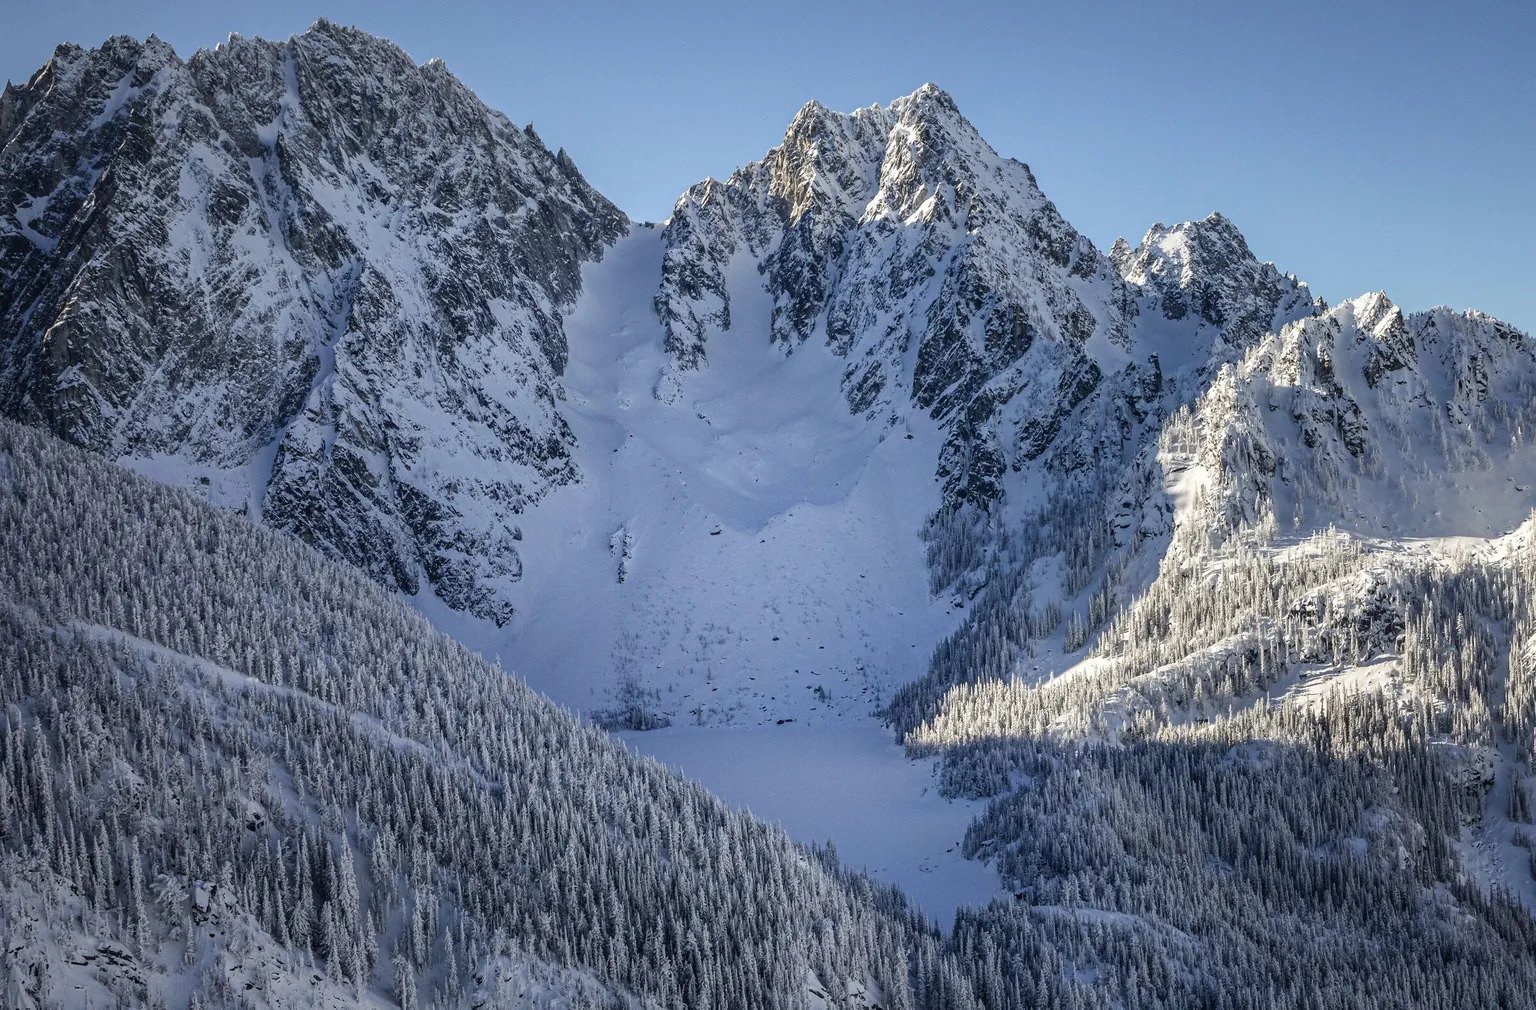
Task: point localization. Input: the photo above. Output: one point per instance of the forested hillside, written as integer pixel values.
(234, 773)
(1267, 688)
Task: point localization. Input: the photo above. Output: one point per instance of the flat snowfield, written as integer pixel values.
(847, 782)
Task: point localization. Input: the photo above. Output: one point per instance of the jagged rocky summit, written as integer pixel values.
(314, 279)
(328, 287)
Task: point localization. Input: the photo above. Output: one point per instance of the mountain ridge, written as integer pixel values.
(1216, 599)
(948, 285)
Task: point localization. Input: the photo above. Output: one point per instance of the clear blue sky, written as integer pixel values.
(1361, 146)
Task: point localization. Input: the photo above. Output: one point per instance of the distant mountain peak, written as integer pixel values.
(326, 26)
(930, 98)
(901, 213)
(1212, 233)
(1205, 268)
(1371, 307)
(810, 112)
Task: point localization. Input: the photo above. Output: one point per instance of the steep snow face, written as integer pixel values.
(740, 573)
(315, 280)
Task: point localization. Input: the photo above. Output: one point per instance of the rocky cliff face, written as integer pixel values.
(327, 286)
(319, 281)
(953, 286)
(936, 268)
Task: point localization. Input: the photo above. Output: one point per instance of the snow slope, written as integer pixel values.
(746, 548)
(235, 774)
(747, 551)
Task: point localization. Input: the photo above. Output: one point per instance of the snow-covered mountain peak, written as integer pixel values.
(929, 95)
(1375, 312)
(901, 240)
(811, 114)
(348, 36)
(937, 166)
(1205, 269)
(359, 278)
(322, 283)
(877, 161)
(1185, 249)
(929, 109)
(1371, 421)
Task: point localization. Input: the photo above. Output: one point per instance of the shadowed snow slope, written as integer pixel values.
(747, 548)
(850, 785)
(743, 560)
(233, 773)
